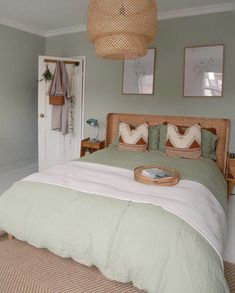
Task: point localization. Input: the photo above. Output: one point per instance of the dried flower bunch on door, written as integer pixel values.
(47, 75)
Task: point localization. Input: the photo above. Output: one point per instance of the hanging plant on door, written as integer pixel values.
(47, 75)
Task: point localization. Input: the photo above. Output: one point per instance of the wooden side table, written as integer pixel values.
(86, 144)
(230, 177)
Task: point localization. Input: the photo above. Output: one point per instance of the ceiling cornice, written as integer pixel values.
(218, 8)
(66, 30)
(21, 27)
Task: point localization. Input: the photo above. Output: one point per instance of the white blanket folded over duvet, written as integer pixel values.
(189, 200)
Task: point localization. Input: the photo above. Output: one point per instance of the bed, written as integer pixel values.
(162, 239)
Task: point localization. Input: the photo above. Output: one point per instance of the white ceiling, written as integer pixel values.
(50, 17)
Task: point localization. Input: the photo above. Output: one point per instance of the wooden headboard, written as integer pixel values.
(221, 126)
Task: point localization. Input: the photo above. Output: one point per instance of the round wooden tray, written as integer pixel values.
(138, 176)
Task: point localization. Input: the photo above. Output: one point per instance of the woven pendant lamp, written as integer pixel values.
(121, 29)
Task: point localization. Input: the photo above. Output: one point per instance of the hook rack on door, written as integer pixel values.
(75, 63)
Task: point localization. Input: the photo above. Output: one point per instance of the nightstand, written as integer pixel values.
(86, 144)
(230, 174)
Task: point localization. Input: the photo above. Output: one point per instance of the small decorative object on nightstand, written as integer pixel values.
(231, 172)
(87, 144)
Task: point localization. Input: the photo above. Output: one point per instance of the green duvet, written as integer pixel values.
(127, 241)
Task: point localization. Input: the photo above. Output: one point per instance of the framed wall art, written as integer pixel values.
(139, 75)
(203, 71)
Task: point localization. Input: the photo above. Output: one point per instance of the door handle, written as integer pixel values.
(41, 115)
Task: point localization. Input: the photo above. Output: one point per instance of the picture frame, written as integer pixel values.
(138, 76)
(204, 71)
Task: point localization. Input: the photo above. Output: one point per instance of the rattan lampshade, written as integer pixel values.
(121, 29)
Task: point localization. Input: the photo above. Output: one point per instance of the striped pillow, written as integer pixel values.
(133, 139)
(184, 143)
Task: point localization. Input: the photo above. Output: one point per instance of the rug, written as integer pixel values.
(25, 269)
(230, 275)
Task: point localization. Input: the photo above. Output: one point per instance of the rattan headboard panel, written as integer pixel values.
(221, 126)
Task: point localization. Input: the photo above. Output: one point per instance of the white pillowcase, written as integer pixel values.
(133, 138)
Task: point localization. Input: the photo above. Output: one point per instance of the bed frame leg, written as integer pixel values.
(10, 237)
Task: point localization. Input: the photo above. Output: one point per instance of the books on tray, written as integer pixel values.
(156, 173)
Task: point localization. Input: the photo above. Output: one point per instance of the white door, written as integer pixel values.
(53, 147)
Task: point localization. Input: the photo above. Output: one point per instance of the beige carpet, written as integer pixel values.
(230, 275)
(25, 269)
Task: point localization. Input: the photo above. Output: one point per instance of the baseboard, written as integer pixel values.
(10, 177)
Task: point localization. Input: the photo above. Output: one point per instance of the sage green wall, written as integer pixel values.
(104, 78)
(18, 97)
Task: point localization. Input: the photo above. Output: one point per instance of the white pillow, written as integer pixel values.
(133, 138)
(184, 145)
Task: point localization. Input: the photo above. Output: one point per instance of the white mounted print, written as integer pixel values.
(139, 74)
(203, 71)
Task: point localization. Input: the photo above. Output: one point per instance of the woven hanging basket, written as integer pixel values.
(121, 29)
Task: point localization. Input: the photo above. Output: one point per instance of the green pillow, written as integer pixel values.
(154, 137)
(162, 138)
(208, 144)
